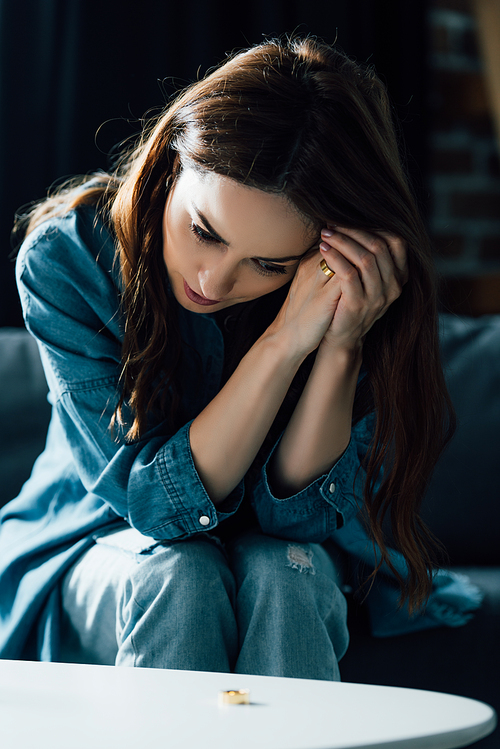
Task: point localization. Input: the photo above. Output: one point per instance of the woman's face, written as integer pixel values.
(224, 243)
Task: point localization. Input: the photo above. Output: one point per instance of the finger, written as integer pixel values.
(371, 255)
(367, 297)
(346, 274)
(394, 244)
(325, 269)
(374, 269)
(397, 248)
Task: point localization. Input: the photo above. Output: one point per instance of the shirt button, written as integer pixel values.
(331, 488)
(204, 520)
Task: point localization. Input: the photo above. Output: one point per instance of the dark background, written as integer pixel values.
(76, 76)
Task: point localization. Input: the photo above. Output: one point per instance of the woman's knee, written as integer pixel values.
(189, 570)
(300, 579)
(277, 563)
(177, 609)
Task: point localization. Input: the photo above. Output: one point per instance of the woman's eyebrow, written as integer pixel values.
(288, 257)
(224, 241)
(209, 227)
(279, 259)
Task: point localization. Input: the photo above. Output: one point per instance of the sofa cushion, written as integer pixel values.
(462, 506)
(24, 409)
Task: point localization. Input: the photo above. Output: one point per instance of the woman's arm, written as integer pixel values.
(370, 271)
(228, 433)
(70, 297)
(337, 313)
(320, 427)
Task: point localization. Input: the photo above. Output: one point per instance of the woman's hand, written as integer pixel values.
(370, 271)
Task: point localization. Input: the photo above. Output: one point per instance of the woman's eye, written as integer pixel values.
(266, 269)
(201, 234)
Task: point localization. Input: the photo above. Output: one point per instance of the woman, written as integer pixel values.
(238, 328)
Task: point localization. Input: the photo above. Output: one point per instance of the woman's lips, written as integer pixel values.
(197, 299)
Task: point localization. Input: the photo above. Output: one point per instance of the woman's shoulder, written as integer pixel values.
(75, 250)
(66, 266)
(71, 237)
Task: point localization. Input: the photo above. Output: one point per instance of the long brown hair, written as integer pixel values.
(298, 118)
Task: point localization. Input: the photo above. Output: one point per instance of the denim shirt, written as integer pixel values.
(88, 479)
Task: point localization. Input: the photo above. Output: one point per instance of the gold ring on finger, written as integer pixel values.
(329, 273)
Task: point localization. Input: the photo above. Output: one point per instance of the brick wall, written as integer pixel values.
(464, 179)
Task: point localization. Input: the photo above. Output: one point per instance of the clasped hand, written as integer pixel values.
(370, 271)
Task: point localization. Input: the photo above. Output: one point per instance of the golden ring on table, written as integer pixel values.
(329, 273)
(235, 697)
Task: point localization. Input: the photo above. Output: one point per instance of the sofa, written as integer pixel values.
(462, 508)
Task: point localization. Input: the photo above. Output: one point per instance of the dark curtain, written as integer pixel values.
(76, 76)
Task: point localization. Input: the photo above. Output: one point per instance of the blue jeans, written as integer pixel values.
(254, 605)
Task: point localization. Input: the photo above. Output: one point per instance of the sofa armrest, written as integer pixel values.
(462, 504)
(24, 409)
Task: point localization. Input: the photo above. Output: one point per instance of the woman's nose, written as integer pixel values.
(217, 282)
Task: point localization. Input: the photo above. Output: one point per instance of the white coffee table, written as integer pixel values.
(65, 706)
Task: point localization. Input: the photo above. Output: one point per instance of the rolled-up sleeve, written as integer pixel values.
(326, 504)
(71, 305)
(152, 483)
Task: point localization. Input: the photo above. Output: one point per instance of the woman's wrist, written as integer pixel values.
(345, 355)
(284, 344)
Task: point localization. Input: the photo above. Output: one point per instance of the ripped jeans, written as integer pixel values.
(253, 605)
